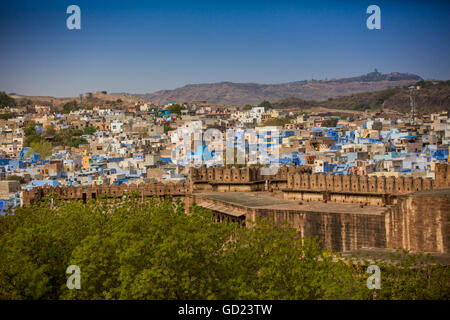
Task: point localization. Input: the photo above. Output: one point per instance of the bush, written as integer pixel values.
(89, 130)
(128, 249)
(70, 106)
(276, 122)
(330, 123)
(6, 101)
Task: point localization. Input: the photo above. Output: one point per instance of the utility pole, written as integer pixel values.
(412, 98)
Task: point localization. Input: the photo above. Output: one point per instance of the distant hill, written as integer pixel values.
(433, 96)
(239, 94)
(89, 99)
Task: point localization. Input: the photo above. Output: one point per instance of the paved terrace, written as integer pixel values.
(274, 201)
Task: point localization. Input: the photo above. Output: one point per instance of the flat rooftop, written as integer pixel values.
(274, 201)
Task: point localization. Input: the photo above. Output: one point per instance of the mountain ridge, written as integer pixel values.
(432, 96)
(239, 94)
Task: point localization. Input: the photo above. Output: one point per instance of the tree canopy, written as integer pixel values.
(42, 147)
(265, 104)
(6, 101)
(69, 137)
(247, 107)
(277, 121)
(129, 249)
(89, 130)
(8, 115)
(330, 123)
(175, 108)
(70, 106)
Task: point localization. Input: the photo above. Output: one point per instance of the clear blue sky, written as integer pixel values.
(144, 46)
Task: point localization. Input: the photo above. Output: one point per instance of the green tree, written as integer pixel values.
(30, 128)
(42, 147)
(129, 249)
(8, 115)
(176, 108)
(89, 130)
(49, 131)
(330, 123)
(6, 101)
(167, 128)
(31, 137)
(276, 121)
(247, 107)
(265, 104)
(76, 141)
(69, 137)
(70, 106)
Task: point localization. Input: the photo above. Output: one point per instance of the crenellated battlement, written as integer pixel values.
(360, 189)
(227, 179)
(357, 184)
(221, 174)
(296, 182)
(93, 191)
(442, 176)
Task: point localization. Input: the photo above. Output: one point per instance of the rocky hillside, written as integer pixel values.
(239, 94)
(101, 98)
(433, 96)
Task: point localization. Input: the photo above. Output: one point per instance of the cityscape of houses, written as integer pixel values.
(139, 143)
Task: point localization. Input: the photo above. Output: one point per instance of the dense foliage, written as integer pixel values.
(277, 121)
(41, 147)
(69, 137)
(330, 123)
(40, 143)
(167, 128)
(265, 104)
(129, 249)
(6, 101)
(176, 108)
(70, 106)
(8, 115)
(89, 130)
(37, 142)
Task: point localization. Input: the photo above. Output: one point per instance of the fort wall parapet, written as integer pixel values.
(296, 182)
(93, 191)
(222, 174)
(358, 184)
(375, 190)
(222, 178)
